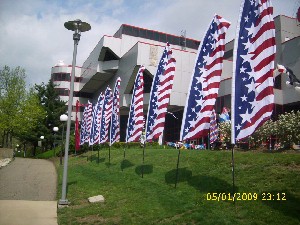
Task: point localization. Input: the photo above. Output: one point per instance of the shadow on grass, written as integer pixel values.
(109, 164)
(95, 158)
(210, 184)
(126, 164)
(289, 206)
(147, 169)
(183, 175)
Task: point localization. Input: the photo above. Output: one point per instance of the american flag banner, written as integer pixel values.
(253, 67)
(115, 117)
(83, 126)
(163, 96)
(205, 81)
(153, 111)
(86, 124)
(214, 131)
(136, 116)
(106, 115)
(96, 124)
(89, 121)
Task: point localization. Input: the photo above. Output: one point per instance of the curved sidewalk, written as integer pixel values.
(28, 192)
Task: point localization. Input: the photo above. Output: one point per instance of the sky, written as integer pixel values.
(33, 34)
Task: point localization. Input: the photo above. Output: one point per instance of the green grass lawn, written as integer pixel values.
(131, 199)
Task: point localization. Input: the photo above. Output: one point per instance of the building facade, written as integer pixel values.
(61, 77)
(122, 54)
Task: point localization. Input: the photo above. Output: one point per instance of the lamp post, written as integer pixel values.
(77, 26)
(55, 129)
(42, 138)
(62, 118)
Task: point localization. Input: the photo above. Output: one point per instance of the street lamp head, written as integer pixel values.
(42, 137)
(63, 118)
(77, 25)
(55, 129)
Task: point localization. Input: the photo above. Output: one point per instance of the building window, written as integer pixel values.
(143, 33)
(162, 37)
(150, 34)
(83, 94)
(61, 77)
(62, 91)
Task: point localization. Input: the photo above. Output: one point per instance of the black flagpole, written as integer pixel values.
(124, 154)
(98, 153)
(177, 167)
(143, 160)
(109, 155)
(232, 164)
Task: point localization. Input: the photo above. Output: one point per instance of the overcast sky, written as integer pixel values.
(33, 34)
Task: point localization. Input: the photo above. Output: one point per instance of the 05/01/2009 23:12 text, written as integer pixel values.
(264, 196)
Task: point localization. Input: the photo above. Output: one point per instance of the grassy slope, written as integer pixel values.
(153, 199)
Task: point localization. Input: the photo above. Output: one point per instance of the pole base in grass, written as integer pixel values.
(63, 203)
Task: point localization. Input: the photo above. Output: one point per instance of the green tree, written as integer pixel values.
(12, 94)
(53, 106)
(29, 126)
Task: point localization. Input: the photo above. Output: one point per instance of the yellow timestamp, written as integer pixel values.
(243, 196)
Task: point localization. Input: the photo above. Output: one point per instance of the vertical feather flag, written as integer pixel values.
(205, 82)
(214, 131)
(86, 123)
(96, 125)
(115, 117)
(106, 115)
(160, 94)
(89, 121)
(83, 126)
(136, 116)
(253, 66)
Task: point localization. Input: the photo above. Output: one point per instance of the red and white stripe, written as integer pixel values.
(136, 116)
(210, 81)
(115, 119)
(107, 111)
(261, 56)
(164, 92)
(89, 120)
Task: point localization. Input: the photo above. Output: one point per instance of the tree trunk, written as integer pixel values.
(3, 138)
(6, 139)
(10, 139)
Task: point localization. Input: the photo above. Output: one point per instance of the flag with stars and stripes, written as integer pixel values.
(83, 126)
(160, 94)
(96, 125)
(205, 81)
(106, 115)
(136, 116)
(115, 117)
(253, 67)
(86, 124)
(214, 131)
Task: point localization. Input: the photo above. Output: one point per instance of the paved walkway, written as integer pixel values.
(28, 192)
